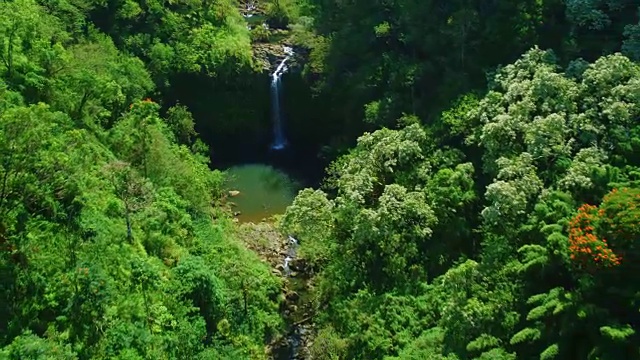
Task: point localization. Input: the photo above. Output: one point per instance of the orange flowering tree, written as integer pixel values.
(587, 249)
(605, 236)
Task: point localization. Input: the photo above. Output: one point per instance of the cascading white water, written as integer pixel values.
(279, 141)
(250, 7)
(294, 338)
(291, 253)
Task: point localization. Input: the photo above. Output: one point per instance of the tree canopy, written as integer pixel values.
(482, 198)
(107, 247)
(518, 243)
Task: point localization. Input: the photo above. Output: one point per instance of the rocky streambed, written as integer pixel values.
(297, 309)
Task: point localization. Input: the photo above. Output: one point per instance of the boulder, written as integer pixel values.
(233, 193)
(293, 296)
(298, 264)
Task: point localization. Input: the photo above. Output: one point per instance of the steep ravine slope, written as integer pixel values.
(280, 252)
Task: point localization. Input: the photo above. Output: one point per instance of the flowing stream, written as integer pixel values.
(291, 253)
(294, 339)
(279, 141)
(293, 347)
(249, 9)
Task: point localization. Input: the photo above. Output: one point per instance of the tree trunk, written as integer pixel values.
(128, 219)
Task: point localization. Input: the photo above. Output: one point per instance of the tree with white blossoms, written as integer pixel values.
(586, 162)
(514, 191)
(310, 220)
(552, 140)
(570, 125)
(383, 157)
(407, 211)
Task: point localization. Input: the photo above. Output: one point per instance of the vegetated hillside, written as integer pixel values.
(477, 219)
(507, 230)
(503, 227)
(107, 245)
(376, 60)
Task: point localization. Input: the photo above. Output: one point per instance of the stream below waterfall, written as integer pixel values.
(260, 190)
(297, 301)
(297, 310)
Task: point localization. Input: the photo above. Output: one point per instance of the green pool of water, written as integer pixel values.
(256, 20)
(264, 191)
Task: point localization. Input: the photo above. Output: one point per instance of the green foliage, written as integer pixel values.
(456, 120)
(471, 233)
(427, 346)
(187, 37)
(310, 220)
(281, 13)
(417, 57)
(620, 333)
(526, 334)
(549, 353)
(328, 346)
(498, 354)
(30, 346)
(483, 342)
(260, 34)
(483, 233)
(631, 46)
(97, 83)
(182, 124)
(107, 247)
(303, 35)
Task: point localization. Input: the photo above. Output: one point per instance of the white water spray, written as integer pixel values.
(291, 254)
(279, 141)
(249, 8)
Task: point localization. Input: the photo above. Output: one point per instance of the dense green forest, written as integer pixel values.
(480, 200)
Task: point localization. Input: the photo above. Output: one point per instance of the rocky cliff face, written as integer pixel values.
(267, 42)
(269, 55)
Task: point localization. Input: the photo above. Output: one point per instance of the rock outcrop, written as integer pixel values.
(297, 307)
(268, 49)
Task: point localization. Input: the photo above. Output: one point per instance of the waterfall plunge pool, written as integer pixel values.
(264, 191)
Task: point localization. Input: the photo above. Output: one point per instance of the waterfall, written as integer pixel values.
(279, 141)
(291, 254)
